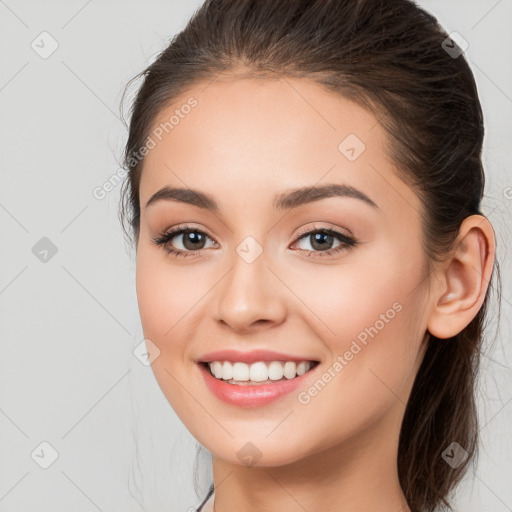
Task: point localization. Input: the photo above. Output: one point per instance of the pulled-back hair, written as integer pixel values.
(394, 59)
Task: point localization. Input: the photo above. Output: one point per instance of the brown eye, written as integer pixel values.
(321, 240)
(192, 240)
(189, 240)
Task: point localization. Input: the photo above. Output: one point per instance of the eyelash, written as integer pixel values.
(163, 240)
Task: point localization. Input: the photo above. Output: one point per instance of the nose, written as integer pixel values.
(250, 298)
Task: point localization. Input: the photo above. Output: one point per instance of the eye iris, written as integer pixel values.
(194, 237)
(317, 237)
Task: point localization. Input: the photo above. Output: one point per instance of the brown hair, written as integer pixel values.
(392, 58)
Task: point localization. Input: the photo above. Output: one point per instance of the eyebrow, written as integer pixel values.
(284, 201)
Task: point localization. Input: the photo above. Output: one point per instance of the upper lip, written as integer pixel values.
(249, 357)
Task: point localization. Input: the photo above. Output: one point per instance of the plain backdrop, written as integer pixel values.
(73, 396)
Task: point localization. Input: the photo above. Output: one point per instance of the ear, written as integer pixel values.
(463, 278)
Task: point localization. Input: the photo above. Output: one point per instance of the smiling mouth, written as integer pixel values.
(262, 372)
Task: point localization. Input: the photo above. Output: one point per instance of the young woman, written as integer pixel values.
(313, 267)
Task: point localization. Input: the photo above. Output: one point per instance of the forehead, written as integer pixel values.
(246, 137)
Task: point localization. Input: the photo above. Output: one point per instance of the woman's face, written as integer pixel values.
(255, 274)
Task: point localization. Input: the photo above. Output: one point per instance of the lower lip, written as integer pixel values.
(251, 395)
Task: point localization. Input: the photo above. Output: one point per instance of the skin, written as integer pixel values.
(245, 141)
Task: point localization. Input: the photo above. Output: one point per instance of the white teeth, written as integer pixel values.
(216, 368)
(240, 372)
(301, 368)
(259, 371)
(227, 370)
(275, 370)
(290, 369)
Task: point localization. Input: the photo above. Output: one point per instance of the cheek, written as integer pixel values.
(341, 301)
(162, 294)
(172, 302)
(367, 318)
(160, 285)
(370, 324)
(166, 299)
(365, 289)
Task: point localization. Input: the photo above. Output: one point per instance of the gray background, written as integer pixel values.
(69, 325)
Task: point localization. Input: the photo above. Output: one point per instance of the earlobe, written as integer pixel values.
(463, 279)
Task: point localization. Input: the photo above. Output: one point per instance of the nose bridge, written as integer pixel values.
(250, 292)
